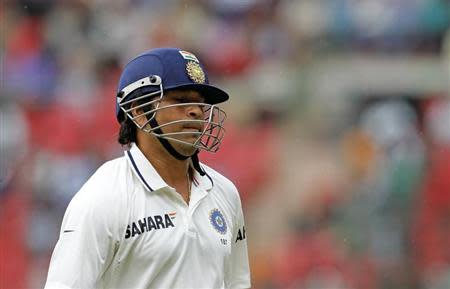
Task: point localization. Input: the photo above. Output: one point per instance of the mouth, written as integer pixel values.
(192, 128)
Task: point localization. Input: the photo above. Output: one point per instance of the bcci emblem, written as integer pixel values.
(218, 221)
(195, 72)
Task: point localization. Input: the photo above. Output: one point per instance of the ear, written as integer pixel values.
(138, 114)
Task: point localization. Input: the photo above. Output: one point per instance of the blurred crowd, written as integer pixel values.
(358, 199)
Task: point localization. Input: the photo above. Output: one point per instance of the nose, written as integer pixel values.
(195, 111)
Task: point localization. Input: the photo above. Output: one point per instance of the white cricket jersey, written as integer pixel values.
(126, 228)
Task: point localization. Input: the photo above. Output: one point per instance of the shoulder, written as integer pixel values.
(108, 176)
(110, 170)
(223, 185)
(219, 179)
(104, 189)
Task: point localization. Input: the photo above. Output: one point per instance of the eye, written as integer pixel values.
(181, 99)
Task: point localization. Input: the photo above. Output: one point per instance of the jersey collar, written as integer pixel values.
(150, 178)
(204, 182)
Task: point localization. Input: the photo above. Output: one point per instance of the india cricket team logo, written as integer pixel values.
(195, 72)
(218, 221)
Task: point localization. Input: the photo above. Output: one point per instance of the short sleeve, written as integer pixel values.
(87, 241)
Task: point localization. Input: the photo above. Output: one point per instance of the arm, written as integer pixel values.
(86, 244)
(237, 274)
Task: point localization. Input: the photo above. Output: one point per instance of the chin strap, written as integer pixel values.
(174, 153)
(165, 143)
(196, 164)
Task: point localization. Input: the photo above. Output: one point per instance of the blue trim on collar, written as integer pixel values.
(137, 170)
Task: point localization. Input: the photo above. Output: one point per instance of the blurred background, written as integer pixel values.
(338, 130)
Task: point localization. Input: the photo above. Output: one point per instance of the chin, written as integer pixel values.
(188, 151)
(185, 149)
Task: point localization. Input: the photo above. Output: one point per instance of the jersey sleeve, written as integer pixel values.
(237, 273)
(87, 241)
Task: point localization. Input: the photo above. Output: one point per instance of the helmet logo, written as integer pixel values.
(188, 56)
(195, 72)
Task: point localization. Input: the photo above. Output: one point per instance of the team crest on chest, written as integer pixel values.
(218, 221)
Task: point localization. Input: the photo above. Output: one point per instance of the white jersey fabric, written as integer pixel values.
(126, 228)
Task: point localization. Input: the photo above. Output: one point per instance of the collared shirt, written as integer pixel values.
(126, 228)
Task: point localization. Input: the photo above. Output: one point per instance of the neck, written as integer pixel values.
(173, 171)
(168, 167)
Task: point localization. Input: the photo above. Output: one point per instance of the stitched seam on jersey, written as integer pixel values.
(137, 170)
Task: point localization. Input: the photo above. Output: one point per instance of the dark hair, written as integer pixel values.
(128, 129)
(127, 132)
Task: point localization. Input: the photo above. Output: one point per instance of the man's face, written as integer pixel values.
(190, 130)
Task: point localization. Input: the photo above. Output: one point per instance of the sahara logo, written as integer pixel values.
(147, 224)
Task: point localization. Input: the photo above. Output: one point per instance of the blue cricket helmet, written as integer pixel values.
(175, 68)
